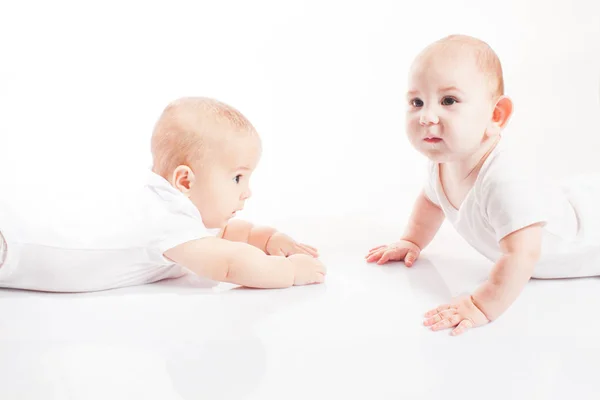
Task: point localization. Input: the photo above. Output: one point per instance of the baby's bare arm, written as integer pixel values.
(243, 231)
(511, 273)
(268, 239)
(234, 262)
(425, 221)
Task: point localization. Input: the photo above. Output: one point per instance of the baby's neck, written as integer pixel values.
(467, 169)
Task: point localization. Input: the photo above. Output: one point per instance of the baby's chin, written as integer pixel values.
(226, 220)
(436, 155)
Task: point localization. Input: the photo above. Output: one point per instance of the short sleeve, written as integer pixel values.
(175, 220)
(179, 229)
(511, 205)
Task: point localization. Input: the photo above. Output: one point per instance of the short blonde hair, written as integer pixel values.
(188, 127)
(486, 58)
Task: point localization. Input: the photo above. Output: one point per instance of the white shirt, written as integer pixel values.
(506, 198)
(97, 241)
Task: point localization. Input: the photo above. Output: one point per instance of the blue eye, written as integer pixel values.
(237, 178)
(416, 102)
(448, 101)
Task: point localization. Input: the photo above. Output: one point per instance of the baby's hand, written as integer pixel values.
(462, 312)
(282, 245)
(307, 269)
(402, 250)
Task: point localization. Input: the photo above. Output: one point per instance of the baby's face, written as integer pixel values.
(223, 183)
(450, 106)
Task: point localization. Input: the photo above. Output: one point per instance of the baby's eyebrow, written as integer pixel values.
(411, 93)
(450, 89)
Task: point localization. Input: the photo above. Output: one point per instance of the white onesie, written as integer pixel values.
(506, 198)
(100, 242)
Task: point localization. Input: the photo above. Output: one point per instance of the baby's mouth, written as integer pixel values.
(432, 139)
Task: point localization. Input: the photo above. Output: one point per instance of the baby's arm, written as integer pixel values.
(241, 264)
(510, 274)
(521, 251)
(265, 238)
(425, 221)
(243, 231)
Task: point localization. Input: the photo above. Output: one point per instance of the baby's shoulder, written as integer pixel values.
(505, 174)
(505, 164)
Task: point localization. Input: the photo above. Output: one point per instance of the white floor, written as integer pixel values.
(359, 335)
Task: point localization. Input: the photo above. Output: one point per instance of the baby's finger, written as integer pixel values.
(441, 308)
(297, 249)
(385, 257)
(375, 256)
(464, 325)
(380, 251)
(320, 278)
(438, 317)
(309, 247)
(322, 268)
(277, 252)
(447, 323)
(309, 250)
(376, 248)
(371, 252)
(410, 258)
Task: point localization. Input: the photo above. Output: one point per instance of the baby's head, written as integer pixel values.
(455, 98)
(207, 150)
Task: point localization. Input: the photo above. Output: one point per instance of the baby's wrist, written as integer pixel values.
(260, 237)
(411, 241)
(486, 299)
(269, 236)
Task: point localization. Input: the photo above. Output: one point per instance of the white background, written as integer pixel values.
(82, 83)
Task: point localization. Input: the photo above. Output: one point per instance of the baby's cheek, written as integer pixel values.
(412, 128)
(412, 122)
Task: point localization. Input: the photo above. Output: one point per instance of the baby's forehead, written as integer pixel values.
(446, 59)
(462, 57)
(448, 69)
(441, 72)
(236, 152)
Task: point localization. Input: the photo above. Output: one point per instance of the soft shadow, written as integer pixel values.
(427, 282)
(219, 355)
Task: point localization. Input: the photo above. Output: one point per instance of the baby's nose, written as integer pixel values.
(428, 118)
(247, 193)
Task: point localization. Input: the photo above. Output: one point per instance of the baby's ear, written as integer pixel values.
(502, 112)
(183, 179)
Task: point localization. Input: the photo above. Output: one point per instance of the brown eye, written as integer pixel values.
(416, 103)
(448, 101)
(237, 178)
